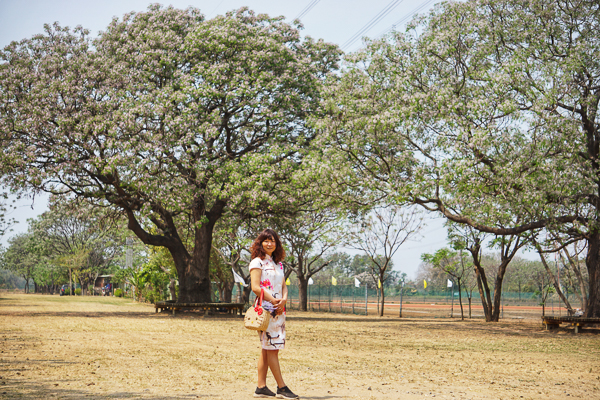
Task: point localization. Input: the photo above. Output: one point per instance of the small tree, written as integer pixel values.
(308, 236)
(21, 258)
(573, 262)
(451, 263)
(380, 235)
(552, 276)
(466, 237)
(544, 288)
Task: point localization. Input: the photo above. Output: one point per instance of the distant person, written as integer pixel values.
(266, 272)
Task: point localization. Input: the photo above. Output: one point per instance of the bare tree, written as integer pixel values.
(380, 235)
(470, 239)
(230, 243)
(572, 262)
(309, 235)
(552, 276)
(452, 263)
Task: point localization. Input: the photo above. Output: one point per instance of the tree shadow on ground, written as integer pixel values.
(19, 389)
(116, 314)
(35, 390)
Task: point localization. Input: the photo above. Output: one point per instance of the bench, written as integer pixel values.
(231, 308)
(577, 322)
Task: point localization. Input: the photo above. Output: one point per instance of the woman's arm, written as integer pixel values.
(255, 275)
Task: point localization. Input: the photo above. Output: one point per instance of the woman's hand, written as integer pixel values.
(279, 305)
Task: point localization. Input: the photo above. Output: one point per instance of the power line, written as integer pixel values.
(307, 9)
(386, 10)
(215, 9)
(403, 19)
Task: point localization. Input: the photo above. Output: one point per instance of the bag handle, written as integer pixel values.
(262, 293)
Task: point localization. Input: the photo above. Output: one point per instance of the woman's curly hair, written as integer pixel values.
(256, 250)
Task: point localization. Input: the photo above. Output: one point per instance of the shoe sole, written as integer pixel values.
(263, 396)
(280, 396)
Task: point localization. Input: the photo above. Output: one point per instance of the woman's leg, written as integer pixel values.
(263, 367)
(273, 360)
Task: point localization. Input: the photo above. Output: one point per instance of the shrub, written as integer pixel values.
(149, 296)
(78, 291)
(119, 292)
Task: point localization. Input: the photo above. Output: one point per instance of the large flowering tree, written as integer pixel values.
(485, 111)
(165, 116)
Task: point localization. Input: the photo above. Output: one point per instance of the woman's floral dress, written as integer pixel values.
(272, 280)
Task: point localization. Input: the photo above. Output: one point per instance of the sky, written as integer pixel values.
(342, 22)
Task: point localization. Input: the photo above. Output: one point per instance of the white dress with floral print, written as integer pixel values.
(272, 280)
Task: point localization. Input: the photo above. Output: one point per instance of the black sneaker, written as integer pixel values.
(286, 393)
(265, 392)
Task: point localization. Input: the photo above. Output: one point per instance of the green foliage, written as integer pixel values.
(119, 292)
(21, 257)
(150, 280)
(78, 292)
(479, 111)
(9, 280)
(206, 117)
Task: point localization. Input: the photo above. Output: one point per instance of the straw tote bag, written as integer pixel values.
(257, 318)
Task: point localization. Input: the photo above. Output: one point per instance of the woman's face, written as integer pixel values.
(269, 246)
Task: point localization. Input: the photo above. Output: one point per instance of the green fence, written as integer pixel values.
(361, 301)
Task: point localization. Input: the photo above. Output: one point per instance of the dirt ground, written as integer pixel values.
(108, 348)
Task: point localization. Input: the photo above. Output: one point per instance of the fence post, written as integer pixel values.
(366, 300)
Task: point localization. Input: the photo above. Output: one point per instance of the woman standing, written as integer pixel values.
(266, 272)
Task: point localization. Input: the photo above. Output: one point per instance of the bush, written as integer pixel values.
(78, 292)
(119, 292)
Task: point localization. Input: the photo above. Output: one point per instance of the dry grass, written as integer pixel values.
(73, 348)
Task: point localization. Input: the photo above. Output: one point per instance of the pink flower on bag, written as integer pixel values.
(281, 266)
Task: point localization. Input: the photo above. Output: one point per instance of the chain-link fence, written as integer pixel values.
(423, 302)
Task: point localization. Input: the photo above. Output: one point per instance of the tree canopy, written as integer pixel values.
(484, 111)
(165, 116)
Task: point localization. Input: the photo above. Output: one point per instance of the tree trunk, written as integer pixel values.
(498, 291)
(484, 292)
(482, 285)
(382, 301)
(462, 312)
(469, 307)
(582, 289)
(226, 291)
(556, 284)
(303, 292)
(592, 262)
(382, 295)
(193, 271)
(246, 294)
(172, 289)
